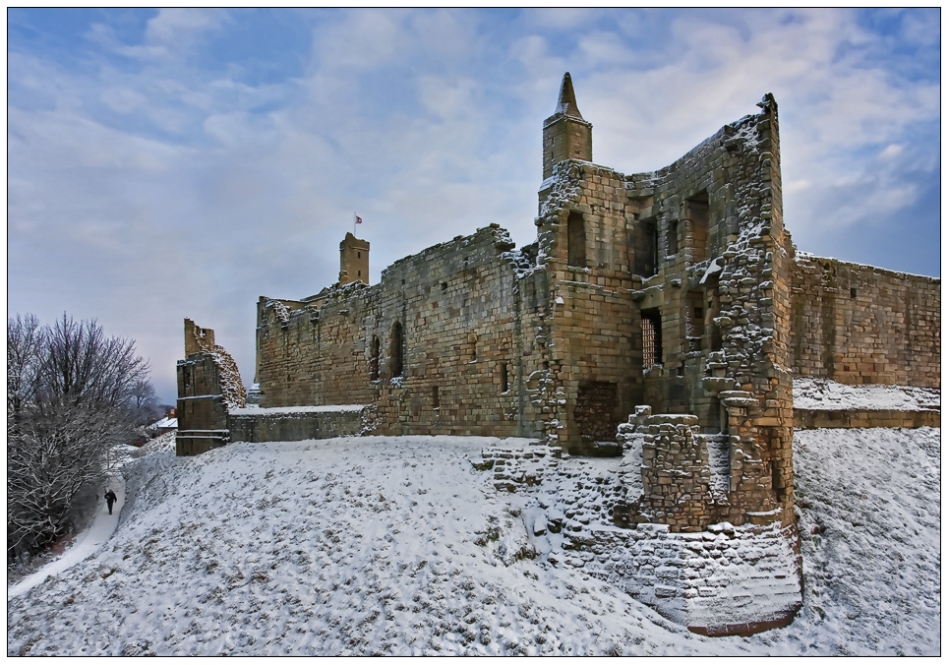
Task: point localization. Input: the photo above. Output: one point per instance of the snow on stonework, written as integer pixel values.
(826, 394)
(405, 546)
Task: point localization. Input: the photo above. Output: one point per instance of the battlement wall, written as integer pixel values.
(859, 324)
(444, 344)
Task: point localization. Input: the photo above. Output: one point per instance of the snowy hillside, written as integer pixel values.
(399, 546)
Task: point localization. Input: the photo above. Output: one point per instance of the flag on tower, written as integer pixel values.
(358, 218)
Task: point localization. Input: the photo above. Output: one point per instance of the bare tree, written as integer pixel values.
(77, 394)
(144, 403)
(25, 340)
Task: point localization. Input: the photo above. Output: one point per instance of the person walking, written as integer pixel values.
(110, 498)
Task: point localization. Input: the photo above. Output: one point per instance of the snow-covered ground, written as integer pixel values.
(400, 546)
(826, 394)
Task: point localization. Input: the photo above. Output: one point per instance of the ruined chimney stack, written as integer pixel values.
(566, 134)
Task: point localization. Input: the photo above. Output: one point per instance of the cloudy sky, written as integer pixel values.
(182, 163)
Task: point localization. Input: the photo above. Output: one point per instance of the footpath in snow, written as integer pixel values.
(86, 543)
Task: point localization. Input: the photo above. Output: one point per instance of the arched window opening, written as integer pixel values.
(395, 351)
(374, 359)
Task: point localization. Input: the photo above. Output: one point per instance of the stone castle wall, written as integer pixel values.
(858, 324)
(696, 251)
(444, 344)
(289, 424)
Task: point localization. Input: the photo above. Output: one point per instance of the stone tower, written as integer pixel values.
(566, 134)
(353, 260)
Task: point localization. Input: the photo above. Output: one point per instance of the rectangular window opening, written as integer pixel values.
(672, 238)
(435, 402)
(699, 240)
(652, 338)
(504, 378)
(576, 241)
(646, 249)
(695, 321)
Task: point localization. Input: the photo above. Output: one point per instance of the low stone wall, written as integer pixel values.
(296, 424)
(727, 580)
(862, 418)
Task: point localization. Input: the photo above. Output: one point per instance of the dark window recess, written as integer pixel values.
(358, 255)
(359, 273)
(672, 238)
(473, 345)
(504, 382)
(395, 350)
(697, 210)
(435, 397)
(576, 241)
(652, 338)
(646, 248)
(853, 293)
(715, 338)
(374, 359)
(719, 416)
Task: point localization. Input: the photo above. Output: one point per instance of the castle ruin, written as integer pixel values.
(659, 317)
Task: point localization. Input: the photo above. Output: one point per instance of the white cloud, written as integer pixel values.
(891, 151)
(177, 25)
(123, 100)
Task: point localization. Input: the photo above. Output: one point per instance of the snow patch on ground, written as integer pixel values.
(827, 394)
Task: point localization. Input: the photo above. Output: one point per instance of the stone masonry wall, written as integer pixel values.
(724, 581)
(862, 418)
(201, 408)
(469, 312)
(594, 332)
(261, 425)
(858, 324)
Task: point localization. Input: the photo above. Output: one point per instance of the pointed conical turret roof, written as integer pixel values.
(568, 100)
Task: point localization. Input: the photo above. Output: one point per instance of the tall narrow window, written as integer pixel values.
(374, 359)
(435, 402)
(646, 249)
(697, 210)
(395, 351)
(652, 338)
(672, 238)
(504, 380)
(576, 241)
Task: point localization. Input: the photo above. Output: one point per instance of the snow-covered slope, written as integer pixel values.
(826, 394)
(399, 546)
